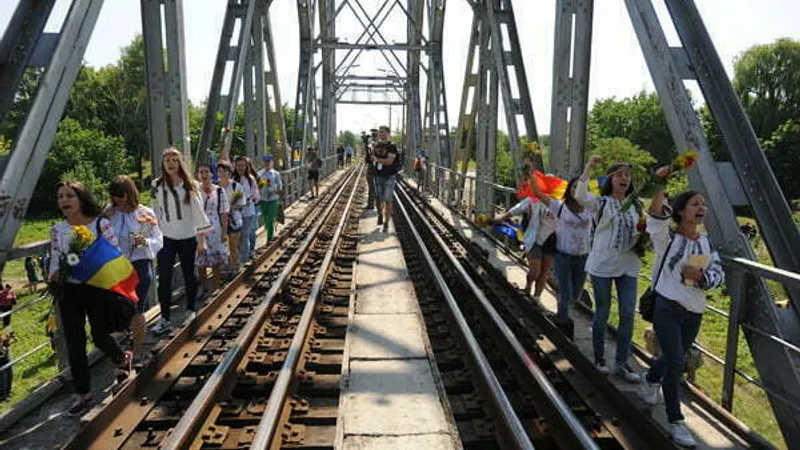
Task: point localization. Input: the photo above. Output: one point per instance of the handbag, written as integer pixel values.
(647, 301)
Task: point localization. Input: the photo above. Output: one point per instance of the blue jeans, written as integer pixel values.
(384, 187)
(145, 274)
(626, 298)
(185, 249)
(571, 277)
(248, 224)
(676, 328)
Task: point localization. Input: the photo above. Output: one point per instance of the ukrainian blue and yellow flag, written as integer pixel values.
(103, 266)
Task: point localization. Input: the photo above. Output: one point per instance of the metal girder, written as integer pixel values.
(327, 113)
(277, 140)
(465, 132)
(499, 14)
(777, 365)
(369, 35)
(21, 173)
(167, 99)
(18, 46)
(439, 126)
(243, 12)
(306, 91)
(570, 100)
(412, 124)
(488, 105)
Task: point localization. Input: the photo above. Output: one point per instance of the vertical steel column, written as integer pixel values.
(327, 113)
(486, 151)
(412, 125)
(305, 77)
(278, 141)
(176, 76)
(251, 106)
(242, 11)
(440, 124)
(261, 96)
(500, 15)
(570, 88)
(778, 368)
(465, 132)
(19, 44)
(156, 84)
(25, 163)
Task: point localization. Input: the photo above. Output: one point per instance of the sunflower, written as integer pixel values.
(83, 237)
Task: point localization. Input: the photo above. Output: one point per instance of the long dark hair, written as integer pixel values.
(679, 203)
(89, 206)
(607, 187)
(248, 169)
(569, 199)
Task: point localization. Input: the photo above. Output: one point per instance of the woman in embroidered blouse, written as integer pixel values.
(140, 239)
(612, 259)
(217, 208)
(249, 185)
(688, 267)
(537, 241)
(78, 300)
(573, 230)
(179, 210)
(238, 202)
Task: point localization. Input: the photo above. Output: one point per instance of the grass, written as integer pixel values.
(35, 370)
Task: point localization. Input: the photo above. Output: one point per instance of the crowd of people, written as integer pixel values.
(210, 228)
(599, 235)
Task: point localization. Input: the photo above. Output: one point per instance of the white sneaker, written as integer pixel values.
(681, 435)
(625, 372)
(602, 367)
(190, 318)
(163, 326)
(651, 393)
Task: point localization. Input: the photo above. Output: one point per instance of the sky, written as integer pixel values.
(618, 67)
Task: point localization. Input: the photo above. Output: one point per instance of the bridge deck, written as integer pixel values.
(392, 396)
(709, 432)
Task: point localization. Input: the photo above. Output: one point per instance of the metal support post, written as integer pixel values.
(327, 114)
(305, 78)
(167, 98)
(413, 124)
(22, 38)
(440, 125)
(777, 367)
(276, 126)
(738, 284)
(570, 88)
(486, 151)
(21, 173)
(252, 145)
(500, 15)
(243, 12)
(465, 132)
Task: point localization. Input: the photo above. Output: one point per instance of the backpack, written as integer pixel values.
(417, 163)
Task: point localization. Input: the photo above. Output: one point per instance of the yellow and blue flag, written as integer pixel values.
(103, 266)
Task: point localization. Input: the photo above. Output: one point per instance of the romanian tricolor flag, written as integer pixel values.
(549, 185)
(102, 265)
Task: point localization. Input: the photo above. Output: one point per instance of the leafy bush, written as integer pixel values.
(620, 150)
(88, 156)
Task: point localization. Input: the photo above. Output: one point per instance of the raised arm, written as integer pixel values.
(546, 199)
(582, 194)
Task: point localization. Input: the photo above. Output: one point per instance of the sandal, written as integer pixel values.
(125, 368)
(80, 405)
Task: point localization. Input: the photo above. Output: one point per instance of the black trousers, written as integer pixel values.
(78, 302)
(371, 183)
(185, 250)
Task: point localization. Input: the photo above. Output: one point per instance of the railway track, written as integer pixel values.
(514, 380)
(228, 380)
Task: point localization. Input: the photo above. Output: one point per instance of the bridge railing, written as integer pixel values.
(743, 274)
(295, 186)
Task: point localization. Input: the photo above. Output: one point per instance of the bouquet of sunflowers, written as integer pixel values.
(237, 195)
(80, 241)
(262, 183)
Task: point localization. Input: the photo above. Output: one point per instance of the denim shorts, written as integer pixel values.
(384, 187)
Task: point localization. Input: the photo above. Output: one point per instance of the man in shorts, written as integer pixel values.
(385, 157)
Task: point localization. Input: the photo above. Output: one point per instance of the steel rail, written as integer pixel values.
(272, 411)
(501, 402)
(580, 435)
(180, 435)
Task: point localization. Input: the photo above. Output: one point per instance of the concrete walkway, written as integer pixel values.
(391, 397)
(709, 433)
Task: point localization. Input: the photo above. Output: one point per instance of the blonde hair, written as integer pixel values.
(183, 173)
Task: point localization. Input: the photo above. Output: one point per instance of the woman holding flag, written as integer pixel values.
(573, 230)
(94, 280)
(612, 260)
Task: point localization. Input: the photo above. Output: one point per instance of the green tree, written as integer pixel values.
(347, 138)
(620, 150)
(767, 81)
(639, 119)
(86, 155)
(783, 153)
